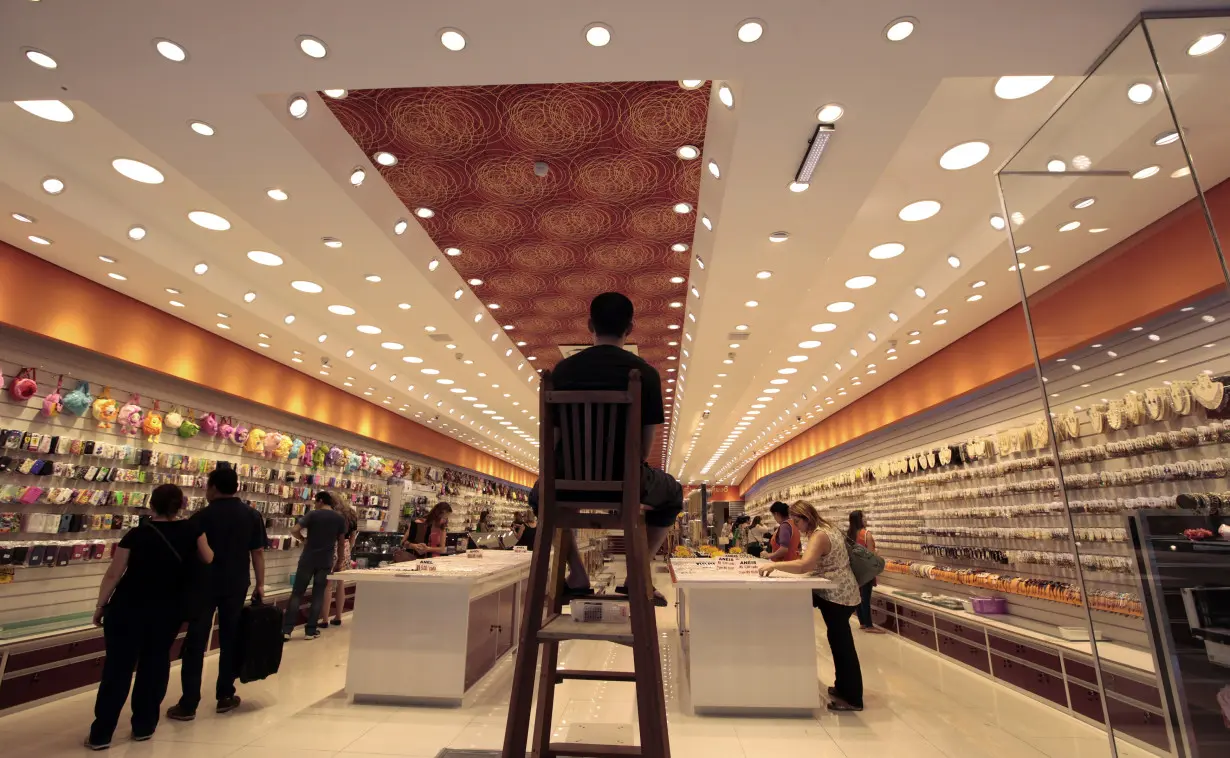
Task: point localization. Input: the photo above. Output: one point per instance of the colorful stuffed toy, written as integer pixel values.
(79, 401)
(226, 430)
(318, 455)
(173, 420)
(130, 416)
(53, 402)
(209, 425)
(399, 469)
(282, 452)
(296, 450)
(309, 453)
(153, 425)
(334, 458)
(188, 427)
(241, 435)
(256, 442)
(23, 386)
(105, 409)
(353, 461)
(272, 440)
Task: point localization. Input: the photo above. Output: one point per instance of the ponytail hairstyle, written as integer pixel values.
(857, 523)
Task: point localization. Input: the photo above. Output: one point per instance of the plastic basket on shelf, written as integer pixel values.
(987, 606)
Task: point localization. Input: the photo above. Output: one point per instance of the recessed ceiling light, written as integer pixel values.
(830, 113)
(840, 306)
(452, 39)
(977, 284)
(954, 261)
(1069, 226)
(997, 222)
(939, 322)
(1206, 44)
(727, 96)
(920, 292)
(173, 291)
(385, 158)
(39, 58)
(136, 233)
(1146, 172)
(342, 310)
(914, 342)
(973, 298)
(752, 303)
(297, 106)
(705, 222)
(277, 194)
(264, 258)
(1166, 138)
(1024, 249)
(249, 296)
(683, 207)
(312, 47)
(368, 329)
(51, 110)
(598, 35)
(1097, 230)
(433, 264)
(170, 50)
(1017, 267)
(312, 288)
(964, 155)
(893, 317)
(763, 274)
(1179, 173)
(357, 175)
(39, 240)
(23, 218)
(475, 282)
(860, 282)
(677, 280)
(679, 247)
(322, 338)
(201, 128)
(1056, 166)
(1016, 87)
(714, 170)
(331, 242)
(392, 345)
(400, 227)
(176, 303)
(53, 186)
(900, 29)
(919, 210)
(118, 277)
(207, 220)
(1043, 267)
(691, 83)
(1140, 93)
(200, 269)
(336, 94)
(137, 171)
(424, 212)
(750, 30)
(798, 186)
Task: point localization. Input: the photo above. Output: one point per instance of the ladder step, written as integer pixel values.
(564, 628)
(594, 676)
(590, 750)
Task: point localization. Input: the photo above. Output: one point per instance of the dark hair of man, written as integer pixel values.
(324, 498)
(780, 509)
(610, 314)
(166, 500)
(224, 480)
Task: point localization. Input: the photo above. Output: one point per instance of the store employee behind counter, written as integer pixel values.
(605, 366)
(426, 536)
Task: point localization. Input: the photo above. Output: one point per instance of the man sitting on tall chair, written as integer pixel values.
(605, 366)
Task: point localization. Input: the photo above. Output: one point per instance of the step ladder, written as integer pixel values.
(591, 482)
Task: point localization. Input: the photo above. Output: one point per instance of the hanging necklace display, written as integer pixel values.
(1181, 397)
(1207, 392)
(1134, 408)
(1097, 417)
(1157, 402)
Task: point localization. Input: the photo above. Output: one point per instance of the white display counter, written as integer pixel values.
(427, 637)
(728, 618)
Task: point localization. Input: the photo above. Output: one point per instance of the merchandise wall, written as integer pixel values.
(71, 484)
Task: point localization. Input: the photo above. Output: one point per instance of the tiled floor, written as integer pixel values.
(918, 706)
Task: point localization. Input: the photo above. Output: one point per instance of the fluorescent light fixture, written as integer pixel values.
(815, 149)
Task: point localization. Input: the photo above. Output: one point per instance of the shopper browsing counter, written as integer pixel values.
(427, 536)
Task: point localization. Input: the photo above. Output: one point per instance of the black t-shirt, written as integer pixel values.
(156, 577)
(606, 367)
(233, 530)
(323, 526)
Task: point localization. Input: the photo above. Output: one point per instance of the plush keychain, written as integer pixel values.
(79, 401)
(188, 427)
(399, 469)
(153, 425)
(209, 425)
(334, 458)
(309, 453)
(272, 440)
(241, 434)
(285, 445)
(130, 415)
(256, 442)
(318, 455)
(364, 462)
(105, 409)
(226, 430)
(173, 420)
(23, 386)
(54, 402)
(353, 462)
(296, 450)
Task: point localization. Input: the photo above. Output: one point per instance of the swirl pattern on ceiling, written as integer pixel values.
(602, 218)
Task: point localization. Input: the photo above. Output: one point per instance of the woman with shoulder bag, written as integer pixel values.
(858, 534)
(144, 598)
(825, 555)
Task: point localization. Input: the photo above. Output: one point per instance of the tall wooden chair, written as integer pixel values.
(593, 481)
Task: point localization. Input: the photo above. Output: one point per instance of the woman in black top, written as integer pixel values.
(140, 608)
(425, 537)
(527, 529)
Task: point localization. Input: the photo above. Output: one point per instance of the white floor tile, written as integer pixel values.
(405, 739)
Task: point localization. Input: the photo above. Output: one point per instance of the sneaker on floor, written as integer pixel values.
(335, 622)
(228, 704)
(142, 737)
(96, 745)
(180, 713)
(842, 706)
(315, 633)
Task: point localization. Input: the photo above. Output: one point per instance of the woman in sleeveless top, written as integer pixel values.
(825, 555)
(425, 537)
(527, 530)
(858, 534)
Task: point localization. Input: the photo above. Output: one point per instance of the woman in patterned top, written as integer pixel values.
(825, 556)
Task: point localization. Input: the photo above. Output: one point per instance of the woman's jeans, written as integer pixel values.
(864, 607)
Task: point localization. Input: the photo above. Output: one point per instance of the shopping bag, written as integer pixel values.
(260, 642)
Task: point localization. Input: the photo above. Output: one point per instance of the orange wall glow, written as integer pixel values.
(44, 299)
(1105, 295)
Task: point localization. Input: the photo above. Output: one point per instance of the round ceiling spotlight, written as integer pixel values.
(919, 210)
(1056, 166)
(385, 158)
(297, 106)
(683, 207)
(997, 222)
(886, 251)
(249, 296)
(1140, 93)
(277, 194)
(341, 310)
(357, 175)
(860, 282)
(598, 35)
(727, 96)
(1166, 138)
(691, 83)
(50, 110)
(900, 29)
(838, 307)
(39, 58)
(750, 30)
(39, 240)
(964, 155)
(137, 171)
(200, 269)
(373, 278)
(331, 242)
(779, 236)
(400, 227)
(207, 220)
(1017, 87)
(424, 212)
(1206, 44)
(1146, 172)
(368, 329)
(830, 113)
(679, 247)
(201, 128)
(170, 50)
(336, 94)
(714, 170)
(136, 233)
(688, 152)
(311, 288)
(1083, 203)
(452, 39)
(311, 46)
(798, 186)
(23, 218)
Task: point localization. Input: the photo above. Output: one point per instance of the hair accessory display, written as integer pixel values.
(54, 401)
(23, 387)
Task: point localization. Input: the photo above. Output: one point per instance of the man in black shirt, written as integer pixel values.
(236, 533)
(605, 365)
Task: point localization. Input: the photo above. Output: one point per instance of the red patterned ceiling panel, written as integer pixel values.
(602, 219)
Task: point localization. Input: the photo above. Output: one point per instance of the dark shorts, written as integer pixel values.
(659, 491)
